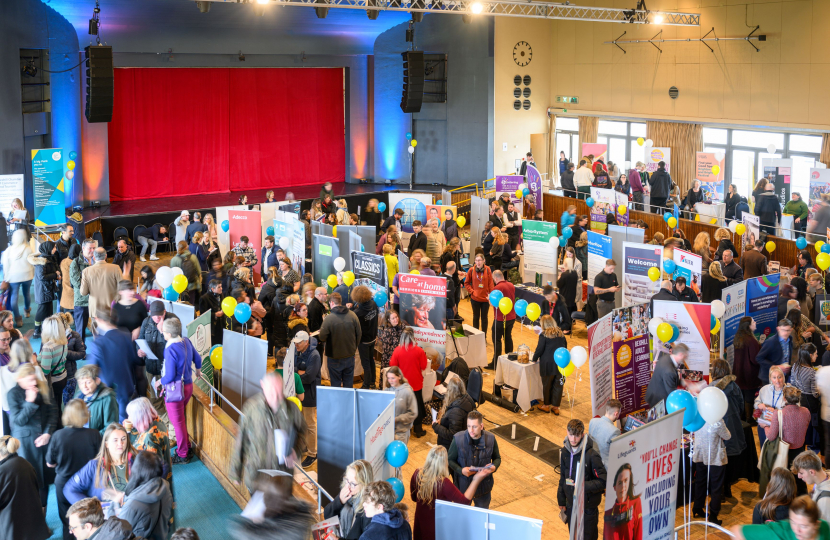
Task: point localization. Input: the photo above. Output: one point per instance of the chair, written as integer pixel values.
(118, 233)
(170, 237)
(98, 237)
(474, 385)
(137, 230)
(577, 316)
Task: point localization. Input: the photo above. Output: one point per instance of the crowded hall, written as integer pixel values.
(384, 270)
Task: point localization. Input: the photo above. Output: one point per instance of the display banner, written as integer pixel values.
(423, 306)
(534, 184)
(577, 525)
(622, 200)
(753, 228)
(734, 298)
(414, 206)
(599, 251)
(605, 202)
(600, 364)
(762, 304)
(711, 182)
(777, 172)
(823, 311)
(690, 266)
(694, 322)
(540, 255)
(819, 185)
(324, 249)
(11, 188)
(637, 287)
(293, 231)
(509, 185)
(596, 149)
(198, 332)
(247, 223)
(370, 270)
(47, 176)
(365, 232)
(641, 490)
(655, 156)
(380, 435)
(632, 366)
(439, 212)
(185, 312)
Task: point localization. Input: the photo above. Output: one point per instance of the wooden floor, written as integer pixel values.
(524, 485)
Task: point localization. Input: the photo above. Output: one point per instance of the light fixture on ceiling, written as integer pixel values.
(204, 7)
(262, 1)
(95, 22)
(658, 19)
(322, 12)
(372, 13)
(477, 7)
(241, 57)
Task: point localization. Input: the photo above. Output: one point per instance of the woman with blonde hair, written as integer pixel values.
(406, 408)
(433, 482)
(21, 354)
(657, 239)
(348, 504)
(452, 418)
(212, 229)
(391, 262)
(269, 196)
(52, 355)
(20, 221)
(712, 283)
(581, 248)
(34, 418)
(104, 477)
(701, 247)
(553, 382)
(723, 237)
(20, 514)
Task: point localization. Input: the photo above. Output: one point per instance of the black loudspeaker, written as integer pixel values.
(413, 81)
(99, 83)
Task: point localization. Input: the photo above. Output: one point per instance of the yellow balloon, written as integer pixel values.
(818, 245)
(672, 222)
(348, 278)
(823, 261)
(653, 273)
(697, 217)
(228, 305)
(461, 221)
(664, 332)
(641, 141)
(332, 281)
(567, 370)
(770, 246)
(518, 194)
(715, 169)
(179, 284)
(295, 401)
(216, 358)
(414, 272)
(334, 231)
(414, 142)
(740, 229)
(713, 220)
(533, 310)
(505, 305)
(621, 209)
(716, 328)
(70, 165)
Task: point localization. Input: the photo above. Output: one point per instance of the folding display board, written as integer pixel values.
(184, 312)
(366, 234)
(479, 213)
(324, 249)
(244, 363)
(459, 522)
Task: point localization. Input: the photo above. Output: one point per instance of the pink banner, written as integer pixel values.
(247, 223)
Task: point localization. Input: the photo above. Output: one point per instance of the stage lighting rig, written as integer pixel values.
(30, 69)
(95, 22)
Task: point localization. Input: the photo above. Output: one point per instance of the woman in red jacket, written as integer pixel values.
(480, 284)
(413, 361)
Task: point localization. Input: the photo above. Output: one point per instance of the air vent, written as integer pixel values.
(517, 80)
(517, 93)
(526, 92)
(526, 104)
(674, 92)
(517, 105)
(526, 80)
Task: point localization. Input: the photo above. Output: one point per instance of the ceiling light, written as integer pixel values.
(658, 19)
(477, 7)
(262, 1)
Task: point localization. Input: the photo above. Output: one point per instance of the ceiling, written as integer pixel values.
(157, 25)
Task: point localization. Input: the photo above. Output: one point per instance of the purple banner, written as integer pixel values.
(631, 373)
(534, 184)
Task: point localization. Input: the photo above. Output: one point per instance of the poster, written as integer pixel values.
(823, 310)
(440, 212)
(600, 360)
(690, 266)
(288, 382)
(414, 206)
(753, 228)
(539, 254)
(247, 223)
(380, 435)
(324, 249)
(819, 185)
(695, 322)
(599, 151)
(291, 232)
(734, 298)
(632, 365)
(641, 491)
(577, 526)
(599, 251)
(638, 259)
(605, 202)
(11, 187)
(370, 270)
(778, 172)
(711, 182)
(762, 304)
(198, 332)
(509, 185)
(47, 177)
(534, 184)
(622, 201)
(655, 156)
(423, 306)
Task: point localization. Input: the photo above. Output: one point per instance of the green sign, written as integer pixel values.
(538, 231)
(198, 332)
(325, 250)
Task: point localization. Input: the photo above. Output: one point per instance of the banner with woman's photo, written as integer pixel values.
(690, 266)
(641, 490)
(632, 366)
(638, 259)
(423, 306)
(819, 188)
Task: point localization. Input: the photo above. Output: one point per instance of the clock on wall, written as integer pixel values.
(522, 53)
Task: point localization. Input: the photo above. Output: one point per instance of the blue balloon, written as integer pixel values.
(408, 136)
(380, 298)
(696, 424)
(675, 333)
(669, 266)
(170, 294)
(801, 243)
(825, 248)
(681, 399)
(226, 225)
(520, 307)
(567, 232)
(525, 192)
(562, 357)
(362, 247)
(495, 298)
(590, 202)
(382, 206)
(397, 453)
(212, 348)
(563, 241)
(713, 320)
(73, 155)
(269, 231)
(397, 485)
(666, 216)
(439, 202)
(242, 313)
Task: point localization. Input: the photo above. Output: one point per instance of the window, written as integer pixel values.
(619, 136)
(613, 128)
(714, 136)
(565, 123)
(805, 143)
(757, 139)
(638, 130)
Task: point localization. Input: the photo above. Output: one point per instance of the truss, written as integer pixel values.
(505, 8)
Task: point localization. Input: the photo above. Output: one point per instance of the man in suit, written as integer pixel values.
(418, 240)
(497, 219)
(664, 379)
(776, 351)
(100, 282)
(665, 294)
(528, 161)
(114, 353)
(268, 257)
(194, 227)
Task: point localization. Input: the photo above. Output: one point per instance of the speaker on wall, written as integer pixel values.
(99, 83)
(413, 81)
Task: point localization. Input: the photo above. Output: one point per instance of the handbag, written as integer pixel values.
(174, 391)
(776, 447)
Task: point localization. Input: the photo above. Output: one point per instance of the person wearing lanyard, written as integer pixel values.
(770, 398)
(595, 477)
(605, 285)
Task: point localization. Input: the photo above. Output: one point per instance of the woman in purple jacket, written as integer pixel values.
(179, 354)
(636, 188)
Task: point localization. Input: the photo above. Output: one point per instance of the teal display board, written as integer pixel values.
(47, 172)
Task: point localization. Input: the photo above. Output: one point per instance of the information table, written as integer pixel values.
(709, 211)
(524, 378)
(472, 347)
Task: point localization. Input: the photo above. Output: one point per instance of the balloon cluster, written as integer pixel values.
(710, 406)
(568, 361)
(411, 146)
(498, 300)
(396, 455)
(172, 282)
(240, 312)
(523, 191)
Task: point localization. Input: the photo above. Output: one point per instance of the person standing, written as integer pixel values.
(81, 301)
(732, 200)
(406, 406)
(637, 189)
(712, 283)
(418, 240)
(124, 258)
(194, 227)
(792, 422)
(583, 179)
(100, 282)
(341, 332)
(744, 365)
(393, 219)
(46, 277)
(363, 305)
(807, 466)
(753, 262)
(595, 476)
(114, 353)
(661, 184)
(566, 179)
(768, 208)
(514, 224)
(503, 322)
(709, 458)
(308, 364)
(479, 285)
(603, 429)
(776, 351)
(605, 286)
(730, 269)
(664, 379)
(475, 447)
(412, 360)
(19, 272)
(550, 339)
(67, 303)
(797, 208)
(52, 355)
(20, 514)
(527, 161)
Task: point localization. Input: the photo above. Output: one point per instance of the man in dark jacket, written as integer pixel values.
(570, 287)
(388, 523)
(454, 419)
(308, 364)
(341, 334)
(113, 351)
(418, 240)
(125, 258)
(776, 351)
(63, 243)
(316, 311)
(664, 379)
(660, 183)
(554, 305)
(151, 332)
(212, 301)
(665, 294)
(151, 236)
(527, 161)
(730, 269)
(268, 257)
(570, 459)
(86, 520)
(449, 273)
(474, 447)
(682, 292)
(768, 208)
(567, 181)
(367, 313)
(194, 227)
(394, 219)
(497, 219)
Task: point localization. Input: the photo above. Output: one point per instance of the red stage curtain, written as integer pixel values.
(182, 131)
(287, 127)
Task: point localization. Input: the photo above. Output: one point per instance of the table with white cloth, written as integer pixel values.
(787, 224)
(525, 378)
(709, 211)
(472, 347)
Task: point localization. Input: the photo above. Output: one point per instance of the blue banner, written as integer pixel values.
(47, 173)
(762, 304)
(734, 298)
(599, 250)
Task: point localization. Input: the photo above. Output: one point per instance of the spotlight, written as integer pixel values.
(321, 12)
(477, 7)
(241, 57)
(204, 7)
(658, 19)
(30, 70)
(262, 1)
(94, 22)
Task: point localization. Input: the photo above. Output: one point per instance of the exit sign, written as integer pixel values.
(567, 99)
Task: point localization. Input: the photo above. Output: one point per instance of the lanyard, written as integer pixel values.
(775, 399)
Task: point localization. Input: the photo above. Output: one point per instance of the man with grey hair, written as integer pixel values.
(731, 270)
(100, 282)
(76, 269)
(664, 379)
